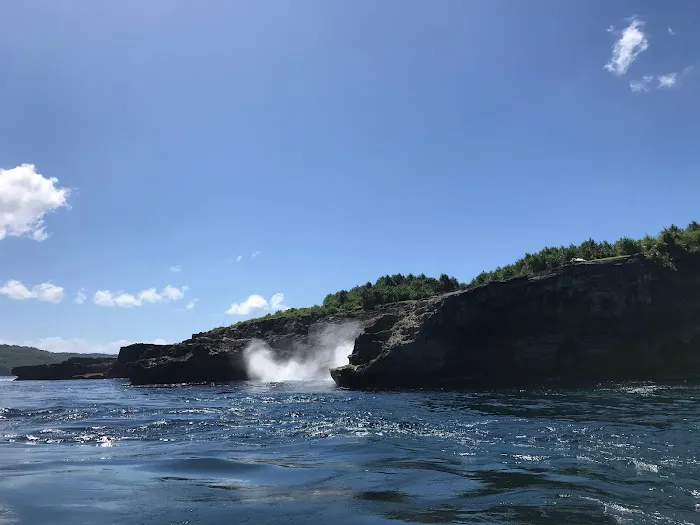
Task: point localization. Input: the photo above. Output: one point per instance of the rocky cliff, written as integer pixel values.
(611, 319)
(73, 368)
(218, 355)
(615, 319)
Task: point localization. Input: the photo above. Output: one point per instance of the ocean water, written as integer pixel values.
(102, 452)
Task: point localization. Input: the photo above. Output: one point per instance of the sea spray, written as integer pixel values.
(327, 348)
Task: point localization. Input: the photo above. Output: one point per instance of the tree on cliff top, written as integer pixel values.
(668, 247)
(390, 289)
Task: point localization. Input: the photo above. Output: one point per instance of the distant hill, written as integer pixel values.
(12, 356)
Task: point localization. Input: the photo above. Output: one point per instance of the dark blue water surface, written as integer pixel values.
(103, 452)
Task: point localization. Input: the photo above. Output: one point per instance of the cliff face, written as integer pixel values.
(615, 319)
(73, 368)
(623, 318)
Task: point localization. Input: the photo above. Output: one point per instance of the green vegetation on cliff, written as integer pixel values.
(12, 356)
(385, 290)
(669, 247)
(390, 289)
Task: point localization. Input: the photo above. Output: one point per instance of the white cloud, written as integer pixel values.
(252, 304)
(630, 45)
(80, 296)
(171, 293)
(176, 269)
(25, 198)
(149, 296)
(276, 302)
(255, 254)
(671, 31)
(668, 80)
(239, 258)
(641, 86)
(257, 303)
(191, 304)
(78, 345)
(46, 292)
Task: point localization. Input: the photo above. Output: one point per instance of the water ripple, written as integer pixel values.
(99, 451)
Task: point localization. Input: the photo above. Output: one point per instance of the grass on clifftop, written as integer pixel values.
(668, 247)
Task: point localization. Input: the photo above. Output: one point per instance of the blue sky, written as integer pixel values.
(336, 141)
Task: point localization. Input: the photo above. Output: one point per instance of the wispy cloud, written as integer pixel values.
(665, 81)
(45, 292)
(80, 296)
(668, 80)
(630, 44)
(191, 304)
(671, 31)
(239, 258)
(176, 269)
(255, 254)
(149, 296)
(257, 303)
(25, 198)
(639, 86)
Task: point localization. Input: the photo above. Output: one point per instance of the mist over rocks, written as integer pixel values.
(327, 347)
(267, 349)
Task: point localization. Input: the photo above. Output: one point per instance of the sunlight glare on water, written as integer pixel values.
(102, 451)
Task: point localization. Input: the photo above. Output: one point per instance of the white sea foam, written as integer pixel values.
(329, 348)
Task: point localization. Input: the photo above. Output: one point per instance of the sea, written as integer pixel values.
(104, 452)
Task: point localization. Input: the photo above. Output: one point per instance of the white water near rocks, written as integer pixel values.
(329, 348)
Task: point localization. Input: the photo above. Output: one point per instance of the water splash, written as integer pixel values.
(328, 348)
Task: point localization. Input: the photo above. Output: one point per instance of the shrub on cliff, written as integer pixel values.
(669, 247)
(390, 289)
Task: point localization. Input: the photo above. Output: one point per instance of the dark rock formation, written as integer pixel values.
(132, 353)
(218, 355)
(615, 319)
(73, 368)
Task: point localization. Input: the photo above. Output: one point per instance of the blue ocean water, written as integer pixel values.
(98, 452)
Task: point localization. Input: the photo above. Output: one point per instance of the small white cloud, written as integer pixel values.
(171, 293)
(49, 293)
(239, 258)
(45, 292)
(276, 302)
(176, 269)
(191, 304)
(149, 296)
(257, 303)
(668, 80)
(629, 46)
(78, 345)
(641, 86)
(252, 304)
(15, 290)
(671, 31)
(25, 198)
(255, 254)
(80, 296)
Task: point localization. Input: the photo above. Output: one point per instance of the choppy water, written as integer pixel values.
(104, 452)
